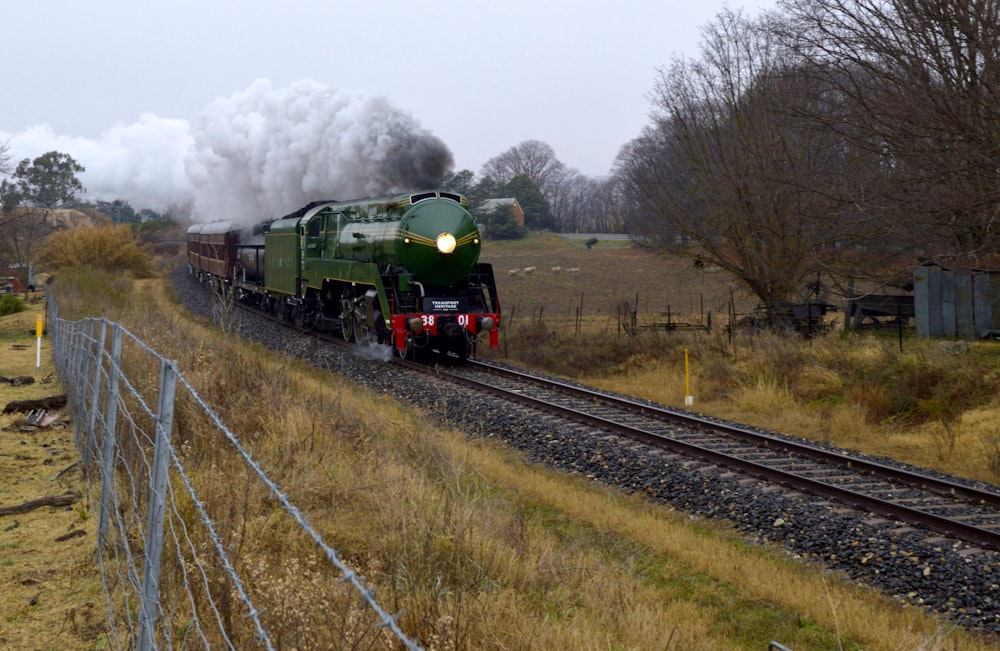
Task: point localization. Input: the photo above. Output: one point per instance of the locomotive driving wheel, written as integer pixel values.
(348, 321)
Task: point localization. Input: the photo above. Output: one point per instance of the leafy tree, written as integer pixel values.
(464, 182)
(501, 224)
(537, 215)
(10, 198)
(6, 160)
(48, 181)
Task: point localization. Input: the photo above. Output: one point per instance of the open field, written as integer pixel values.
(609, 275)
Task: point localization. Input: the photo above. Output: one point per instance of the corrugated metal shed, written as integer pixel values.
(956, 303)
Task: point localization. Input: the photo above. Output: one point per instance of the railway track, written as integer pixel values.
(878, 524)
(938, 505)
(933, 503)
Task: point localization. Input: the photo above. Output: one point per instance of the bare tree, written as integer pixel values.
(22, 241)
(727, 168)
(6, 159)
(924, 78)
(583, 204)
(532, 158)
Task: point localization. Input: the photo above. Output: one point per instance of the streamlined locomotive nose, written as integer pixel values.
(439, 242)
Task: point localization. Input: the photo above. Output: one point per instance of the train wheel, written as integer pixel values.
(347, 328)
(462, 348)
(360, 328)
(348, 324)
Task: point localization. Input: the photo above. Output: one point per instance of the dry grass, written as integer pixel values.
(480, 551)
(925, 407)
(52, 596)
(608, 277)
(477, 549)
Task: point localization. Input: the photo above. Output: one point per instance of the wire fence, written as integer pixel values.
(171, 578)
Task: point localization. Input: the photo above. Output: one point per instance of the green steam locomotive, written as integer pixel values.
(401, 270)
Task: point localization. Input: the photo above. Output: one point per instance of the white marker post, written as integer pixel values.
(38, 333)
(688, 398)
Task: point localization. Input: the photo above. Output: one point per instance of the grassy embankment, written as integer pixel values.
(477, 549)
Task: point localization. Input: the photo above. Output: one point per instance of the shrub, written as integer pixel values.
(502, 225)
(106, 248)
(10, 304)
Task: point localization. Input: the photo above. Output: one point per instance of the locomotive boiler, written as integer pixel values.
(402, 270)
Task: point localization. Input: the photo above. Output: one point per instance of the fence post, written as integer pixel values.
(76, 378)
(110, 436)
(95, 395)
(157, 507)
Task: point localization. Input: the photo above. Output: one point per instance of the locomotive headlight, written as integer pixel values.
(446, 242)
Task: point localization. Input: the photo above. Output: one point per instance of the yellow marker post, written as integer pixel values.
(688, 398)
(38, 334)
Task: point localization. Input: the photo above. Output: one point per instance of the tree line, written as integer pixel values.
(842, 139)
(553, 196)
(37, 187)
(820, 145)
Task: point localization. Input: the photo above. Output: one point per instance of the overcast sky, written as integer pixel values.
(89, 77)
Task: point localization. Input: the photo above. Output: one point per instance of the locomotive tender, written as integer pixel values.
(400, 270)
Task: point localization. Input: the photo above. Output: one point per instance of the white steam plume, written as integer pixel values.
(142, 163)
(258, 154)
(265, 152)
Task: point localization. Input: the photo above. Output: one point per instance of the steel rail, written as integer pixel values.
(894, 510)
(762, 439)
